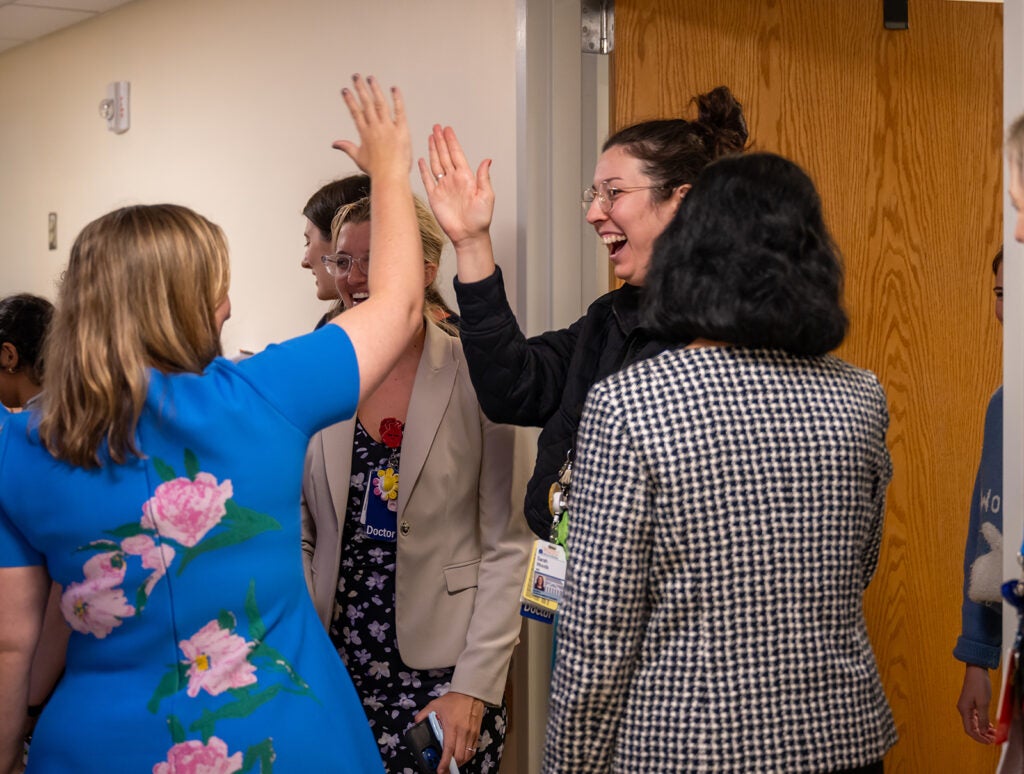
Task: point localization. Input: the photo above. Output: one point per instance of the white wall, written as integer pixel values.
(234, 107)
(553, 271)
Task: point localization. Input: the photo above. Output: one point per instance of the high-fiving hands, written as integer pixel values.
(384, 148)
(462, 201)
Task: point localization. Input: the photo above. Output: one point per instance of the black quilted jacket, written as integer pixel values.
(543, 381)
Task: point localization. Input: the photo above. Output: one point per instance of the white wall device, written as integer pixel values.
(115, 107)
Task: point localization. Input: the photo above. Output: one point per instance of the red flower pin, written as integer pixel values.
(391, 432)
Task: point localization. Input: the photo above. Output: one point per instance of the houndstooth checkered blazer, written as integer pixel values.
(726, 515)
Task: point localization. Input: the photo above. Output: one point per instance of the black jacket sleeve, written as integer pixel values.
(518, 381)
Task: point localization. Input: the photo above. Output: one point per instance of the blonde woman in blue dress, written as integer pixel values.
(159, 485)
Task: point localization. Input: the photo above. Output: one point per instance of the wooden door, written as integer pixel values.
(901, 130)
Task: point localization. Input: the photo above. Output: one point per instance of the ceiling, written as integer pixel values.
(22, 21)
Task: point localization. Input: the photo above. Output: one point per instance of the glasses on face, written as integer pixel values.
(340, 264)
(607, 194)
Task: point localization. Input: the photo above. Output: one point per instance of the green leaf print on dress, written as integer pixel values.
(220, 661)
(183, 511)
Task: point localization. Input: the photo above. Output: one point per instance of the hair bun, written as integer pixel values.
(721, 118)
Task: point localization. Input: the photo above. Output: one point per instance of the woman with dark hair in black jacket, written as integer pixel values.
(641, 177)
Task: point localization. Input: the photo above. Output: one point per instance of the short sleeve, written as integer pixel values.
(313, 380)
(15, 550)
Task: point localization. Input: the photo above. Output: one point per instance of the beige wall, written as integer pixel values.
(234, 107)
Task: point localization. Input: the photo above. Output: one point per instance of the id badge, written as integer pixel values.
(379, 522)
(544, 581)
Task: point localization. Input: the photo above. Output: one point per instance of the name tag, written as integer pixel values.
(545, 579)
(378, 520)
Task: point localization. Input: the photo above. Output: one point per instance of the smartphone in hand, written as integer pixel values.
(426, 740)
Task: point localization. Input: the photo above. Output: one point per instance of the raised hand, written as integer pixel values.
(462, 201)
(384, 146)
(381, 327)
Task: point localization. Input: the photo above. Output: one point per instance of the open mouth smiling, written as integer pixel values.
(614, 243)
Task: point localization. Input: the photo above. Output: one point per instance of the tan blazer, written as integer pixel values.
(461, 551)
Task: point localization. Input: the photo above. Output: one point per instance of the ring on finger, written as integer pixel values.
(439, 176)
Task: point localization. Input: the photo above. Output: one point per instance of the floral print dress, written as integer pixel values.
(195, 647)
(363, 624)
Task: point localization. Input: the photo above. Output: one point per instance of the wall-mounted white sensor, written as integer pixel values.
(114, 109)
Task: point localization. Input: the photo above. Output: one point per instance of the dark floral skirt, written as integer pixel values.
(363, 631)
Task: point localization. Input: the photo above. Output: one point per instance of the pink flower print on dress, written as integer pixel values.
(218, 660)
(154, 557)
(106, 569)
(185, 510)
(95, 606)
(194, 757)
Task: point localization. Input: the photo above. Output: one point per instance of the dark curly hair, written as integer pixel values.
(322, 206)
(674, 151)
(748, 260)
(24, 319)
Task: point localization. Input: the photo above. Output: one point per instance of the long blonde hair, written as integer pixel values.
(141, 290)
(435, 310)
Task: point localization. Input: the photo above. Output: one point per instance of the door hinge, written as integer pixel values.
(597, 25)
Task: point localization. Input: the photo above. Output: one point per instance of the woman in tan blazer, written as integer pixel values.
(417, 582)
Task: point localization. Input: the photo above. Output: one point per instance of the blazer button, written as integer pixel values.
(405, 528)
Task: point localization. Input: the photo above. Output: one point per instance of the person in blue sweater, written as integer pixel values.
(980, 640)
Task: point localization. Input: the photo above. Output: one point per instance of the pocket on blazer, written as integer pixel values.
(462, 576)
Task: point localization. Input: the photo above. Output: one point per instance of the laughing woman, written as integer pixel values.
(640, 179)
(319, 212)
(413, 555)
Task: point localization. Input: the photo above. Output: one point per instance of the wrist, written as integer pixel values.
(474, 243)
(474, 258)
(390, 173)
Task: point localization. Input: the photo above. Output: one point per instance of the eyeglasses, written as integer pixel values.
(606, 195)
(340, 264)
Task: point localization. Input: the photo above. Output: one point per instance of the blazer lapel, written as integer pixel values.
(431, 392)
(337, 441)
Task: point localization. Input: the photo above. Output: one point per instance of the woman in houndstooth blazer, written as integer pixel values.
(727, 509)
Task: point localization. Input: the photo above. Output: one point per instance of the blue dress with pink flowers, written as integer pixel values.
(195, 645)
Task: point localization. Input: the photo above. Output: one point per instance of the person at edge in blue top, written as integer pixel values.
(981, 613)
(24, 320)
(159, 484)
